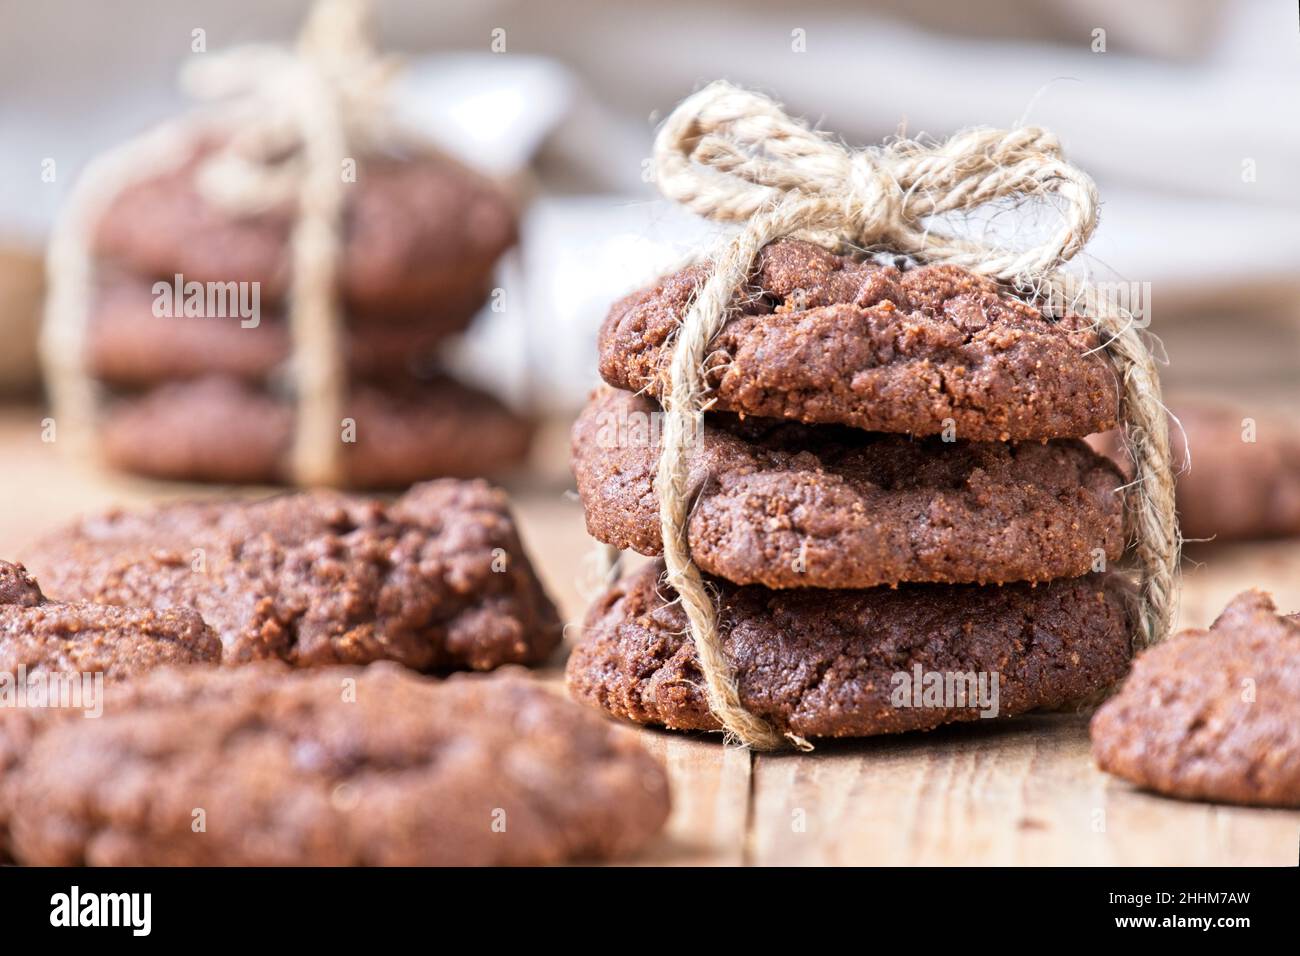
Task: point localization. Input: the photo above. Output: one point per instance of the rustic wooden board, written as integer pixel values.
(1017, 792)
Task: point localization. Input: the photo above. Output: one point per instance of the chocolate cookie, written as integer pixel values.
(220, 429)
(1230, 488)
(1212, 715)
(265, 766)
(789, 505)
(823, 338)
(435, 580)
(39, 635)
(128, 345)
(856, 663)
(418, 231)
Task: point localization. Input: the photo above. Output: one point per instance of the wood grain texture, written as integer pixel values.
(1020, 792)
(711, 788)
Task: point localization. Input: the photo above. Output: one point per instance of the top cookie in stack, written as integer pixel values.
(830, 339)
(904, 438)
(196, 394)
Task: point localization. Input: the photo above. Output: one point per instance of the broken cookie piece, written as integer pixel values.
(436, 579)
(39, 635)
(1213, 714)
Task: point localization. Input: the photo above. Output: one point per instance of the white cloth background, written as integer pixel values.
(1185, 94)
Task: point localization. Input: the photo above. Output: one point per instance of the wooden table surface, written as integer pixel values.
(1022, 791)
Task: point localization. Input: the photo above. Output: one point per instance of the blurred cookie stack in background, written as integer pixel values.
(198, 396)
(259, 290)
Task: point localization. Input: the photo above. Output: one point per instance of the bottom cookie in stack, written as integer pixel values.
(854, 663)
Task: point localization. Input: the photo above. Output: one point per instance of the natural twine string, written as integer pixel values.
(286, 122)
(313, 104)
(70, 271)
(734, 156)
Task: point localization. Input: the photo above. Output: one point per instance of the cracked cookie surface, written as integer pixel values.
(40, 635)
(823, 338)
(789, 505)
(823, 663)
(436, 579)
(1213, 714)
(337, 767)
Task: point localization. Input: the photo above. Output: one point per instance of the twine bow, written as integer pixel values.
(734, 156)
(333, 87)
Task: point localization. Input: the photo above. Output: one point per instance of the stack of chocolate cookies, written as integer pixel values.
(188, 326)
(900, 521)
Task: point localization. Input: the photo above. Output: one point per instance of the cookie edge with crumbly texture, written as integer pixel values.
(39, 635)
(116, 558)
(1180, 688)
(634, 660)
